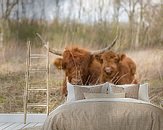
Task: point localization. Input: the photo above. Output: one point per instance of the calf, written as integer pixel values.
(117, 68)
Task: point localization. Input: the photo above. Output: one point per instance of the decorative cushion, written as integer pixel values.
(130, 90)
(103, 95)
(80, 90)
(76, 92)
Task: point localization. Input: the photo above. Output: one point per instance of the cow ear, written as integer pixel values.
(59, 63)
(98, 57)
(121, 56)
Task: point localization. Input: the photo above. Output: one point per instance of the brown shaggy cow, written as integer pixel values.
(117, 68)
(80, 67)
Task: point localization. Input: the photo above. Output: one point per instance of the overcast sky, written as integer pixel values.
(70, 8)
(91, 10)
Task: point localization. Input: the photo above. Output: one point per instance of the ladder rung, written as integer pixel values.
(36, 89)
(38, 56)
(36, 105)
(38, 69)
(35, 84)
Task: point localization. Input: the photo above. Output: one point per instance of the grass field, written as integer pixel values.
(12, 79)
(149, 69)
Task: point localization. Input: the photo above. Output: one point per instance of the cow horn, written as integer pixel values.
(57, 52)
(105, 49)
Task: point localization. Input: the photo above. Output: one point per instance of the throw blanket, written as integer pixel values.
(105, 114)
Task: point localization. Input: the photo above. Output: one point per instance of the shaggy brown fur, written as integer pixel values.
(80, 67)
(117, 68)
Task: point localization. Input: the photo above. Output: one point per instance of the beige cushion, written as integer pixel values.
(103, 95)
(79, 91)
(131, 91)
(77, 94)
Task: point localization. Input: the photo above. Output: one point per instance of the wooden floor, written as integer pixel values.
(17, 126)
(15, 121)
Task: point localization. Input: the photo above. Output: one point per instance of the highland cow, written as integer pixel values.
(117, 68)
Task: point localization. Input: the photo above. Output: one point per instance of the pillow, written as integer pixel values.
(130, 90)
(143, 92)
(103, 95)
(104, 88)
(70, 91)
(80, 90)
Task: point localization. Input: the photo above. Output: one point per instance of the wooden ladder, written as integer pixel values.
(29, 70)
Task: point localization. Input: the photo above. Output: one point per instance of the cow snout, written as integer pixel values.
(108, 70)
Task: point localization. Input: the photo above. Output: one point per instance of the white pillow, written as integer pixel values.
(70, 91)
(143, 92)
(71, 94)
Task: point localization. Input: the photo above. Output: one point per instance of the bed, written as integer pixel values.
(105, 114)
